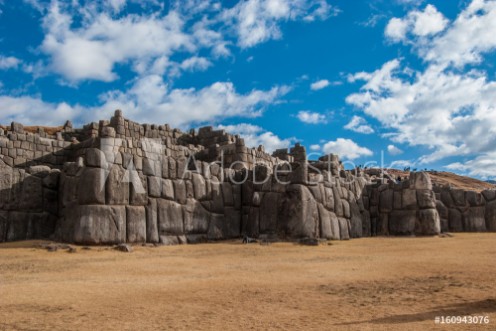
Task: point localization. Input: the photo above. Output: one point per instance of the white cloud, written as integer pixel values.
(257, 21)
(106, 36)
(470, 36)
(318, 85)
(255, 136)
(359, 124)
(346, 149)
(402, 164)
(117, 5)
(315, 147)
(393, 150)
(149, 100)
(396, 29)
(483, 166)
(196, 63)
(92, 51)
(8, 62)
(310, 117)
(445, 109)
(34, 111)
(420, 23)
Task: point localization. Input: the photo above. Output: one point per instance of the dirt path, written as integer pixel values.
(363, 284)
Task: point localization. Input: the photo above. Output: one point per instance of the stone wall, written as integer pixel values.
(466, 211)
(119, 181)
(28, 202)
(404, 208)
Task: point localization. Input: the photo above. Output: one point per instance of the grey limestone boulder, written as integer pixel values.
(428, 222)
(491, 216)
(136, 224)
(402, 222)
(95, 224)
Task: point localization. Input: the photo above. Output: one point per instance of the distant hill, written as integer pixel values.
(493, 182)
(444, 178)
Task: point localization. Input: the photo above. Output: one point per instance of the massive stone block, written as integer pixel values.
(170, 218)
(489, 195)
(420, 181)
(402, 222)
(117, 186)
(426, 199)
(196, 218)
(4, 225)
(199, 187)
(136, 224)
(382, 226)
(95, 224)
(474, 219)
(232, 222)
(227, 194)
(344, 233)
(91, 188)
(443, 212)
(455, 220)
(152, 221)
(409, 199)
(154, 186)
(167, 189)
(356, 230)
(328, 198)
(216, 227)
(251, 222)
(458, 197)
(386, 201)
(366, 224)
(95, 158)
(300, 212)
(217, 199)
(428, 222)
(491, 216)
(180, 191)
(325, 223)
(138, 193)
(269, 210)
(32, 194)
(474, 199)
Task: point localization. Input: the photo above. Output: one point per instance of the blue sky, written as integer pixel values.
(410, 80)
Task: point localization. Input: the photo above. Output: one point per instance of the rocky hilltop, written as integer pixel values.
(119, 181)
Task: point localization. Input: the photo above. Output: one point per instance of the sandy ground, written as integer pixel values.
(362, 284)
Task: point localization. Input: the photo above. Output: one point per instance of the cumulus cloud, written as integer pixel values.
(86, 40)
(196, 63)
(255, 135)
(93, 50)
(448, 110)
(482, 166)
(346, 149)
(8, 62)
(396, 29)
(393, 150)
(315, 147)
(320, 84)
(419, 23)
(149, 100)
(359, 124)
(470, 36)
(311, 117)
(256, 21)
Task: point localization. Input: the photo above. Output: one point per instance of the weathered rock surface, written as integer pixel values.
(119, 181)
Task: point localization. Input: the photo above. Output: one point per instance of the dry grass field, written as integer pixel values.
(362, 284)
